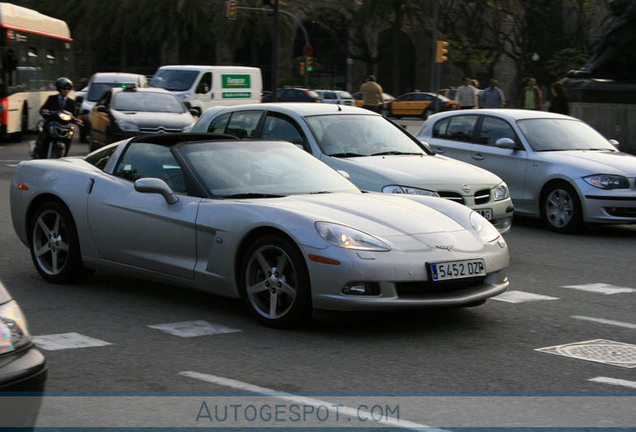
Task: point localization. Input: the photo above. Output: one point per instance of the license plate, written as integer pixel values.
(487, 213)
(457, 269)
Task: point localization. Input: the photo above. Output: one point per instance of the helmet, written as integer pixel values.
(63, 83)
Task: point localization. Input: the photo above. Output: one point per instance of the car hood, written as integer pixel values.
(153, 119)
(377, 214)
(415, 171)
(597, 162)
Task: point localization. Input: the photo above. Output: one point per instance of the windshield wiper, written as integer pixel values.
(395, 152)
(346, 155)
(252, 195)
(320, 192)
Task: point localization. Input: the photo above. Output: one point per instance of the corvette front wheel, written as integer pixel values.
(275, 282)
(55, 248)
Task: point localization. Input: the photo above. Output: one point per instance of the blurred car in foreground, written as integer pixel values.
(99, 84)
(260, 220)
(130, 111)
(339, 97)
(418, 104)
(558, 168)
(377, 154)
(293, 95)
(22, 367)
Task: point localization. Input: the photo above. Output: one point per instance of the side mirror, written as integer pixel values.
(344, 174)
(203, 88)
(155, 185)
(615, 143)
(506, 143)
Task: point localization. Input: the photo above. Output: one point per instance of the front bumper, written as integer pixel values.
(22, 380)
(617, 206)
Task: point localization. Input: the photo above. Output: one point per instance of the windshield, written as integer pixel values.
(148, 102)
(360, 135)
(97, 90)
(263, 169)
(562, 134)
(174, 79)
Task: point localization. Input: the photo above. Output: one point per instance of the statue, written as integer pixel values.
(615, 55)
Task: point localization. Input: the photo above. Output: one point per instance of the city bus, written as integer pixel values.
(35, 50)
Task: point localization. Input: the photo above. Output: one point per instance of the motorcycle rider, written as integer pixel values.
(58, 102)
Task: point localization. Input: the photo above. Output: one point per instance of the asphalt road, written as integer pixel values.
(117, 334)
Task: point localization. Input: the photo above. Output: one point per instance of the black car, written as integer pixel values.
(130, 111)
(295, 94)
(22, 366)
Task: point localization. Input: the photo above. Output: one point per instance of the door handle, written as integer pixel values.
(477, 156)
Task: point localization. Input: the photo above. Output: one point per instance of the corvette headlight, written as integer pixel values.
(349, 238)
(606, 181)
(501, 192)
(13, 329)
(128, 126)
(483, 228)
(408, 190)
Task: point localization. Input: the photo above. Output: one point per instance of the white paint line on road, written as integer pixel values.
(336, 408)
(605, 321)
(193, 328)
(601, 288)
(614, 381)
(12, 165)
(521, 296)
(62, 341)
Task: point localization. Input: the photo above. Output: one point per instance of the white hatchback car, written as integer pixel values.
(557, 167)
(339, 97)
(376, 153)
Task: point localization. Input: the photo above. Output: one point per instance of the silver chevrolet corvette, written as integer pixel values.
(264, 221)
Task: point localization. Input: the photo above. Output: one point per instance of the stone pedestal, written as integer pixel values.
(607, 106)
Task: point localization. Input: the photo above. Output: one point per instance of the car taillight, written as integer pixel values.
(4, 111)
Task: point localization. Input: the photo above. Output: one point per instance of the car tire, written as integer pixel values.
(54, 244)
(561, 208)
(427, 112)
(277, 299)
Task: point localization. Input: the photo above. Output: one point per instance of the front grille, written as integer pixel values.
(425, 288)
(158, 129)
(453, 196)
(621, 211)
(482, 196)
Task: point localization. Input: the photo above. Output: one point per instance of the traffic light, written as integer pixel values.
(440, 54)
(310, 64)
(301, 69)
(230, 9)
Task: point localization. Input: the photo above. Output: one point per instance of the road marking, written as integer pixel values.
(188, 329)
(597, 350)
(605, 321)
(62, 341)
(601, 288)
(12, 165)
(521, 296)
(614, 381)
(335, 408)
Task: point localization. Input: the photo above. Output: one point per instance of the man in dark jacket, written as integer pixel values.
(58, 102)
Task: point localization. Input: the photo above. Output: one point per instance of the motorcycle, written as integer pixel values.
(55, 132)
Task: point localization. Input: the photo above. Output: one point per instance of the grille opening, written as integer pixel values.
(453, 196)
(482, 196)
(621, 211)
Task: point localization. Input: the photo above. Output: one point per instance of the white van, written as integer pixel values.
(202, 87)
(99, 84)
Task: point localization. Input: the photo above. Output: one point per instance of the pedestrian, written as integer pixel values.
(466, 96)
(492, 96)
(531, 95)
(559, 102)
(372, 95)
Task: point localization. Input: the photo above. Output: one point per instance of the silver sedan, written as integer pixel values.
(557, 167)
(263, 221)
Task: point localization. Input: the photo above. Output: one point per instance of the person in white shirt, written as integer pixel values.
(466, 96)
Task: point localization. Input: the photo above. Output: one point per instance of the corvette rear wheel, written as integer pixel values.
(275, 282)
(55, 249)
(561, 208)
